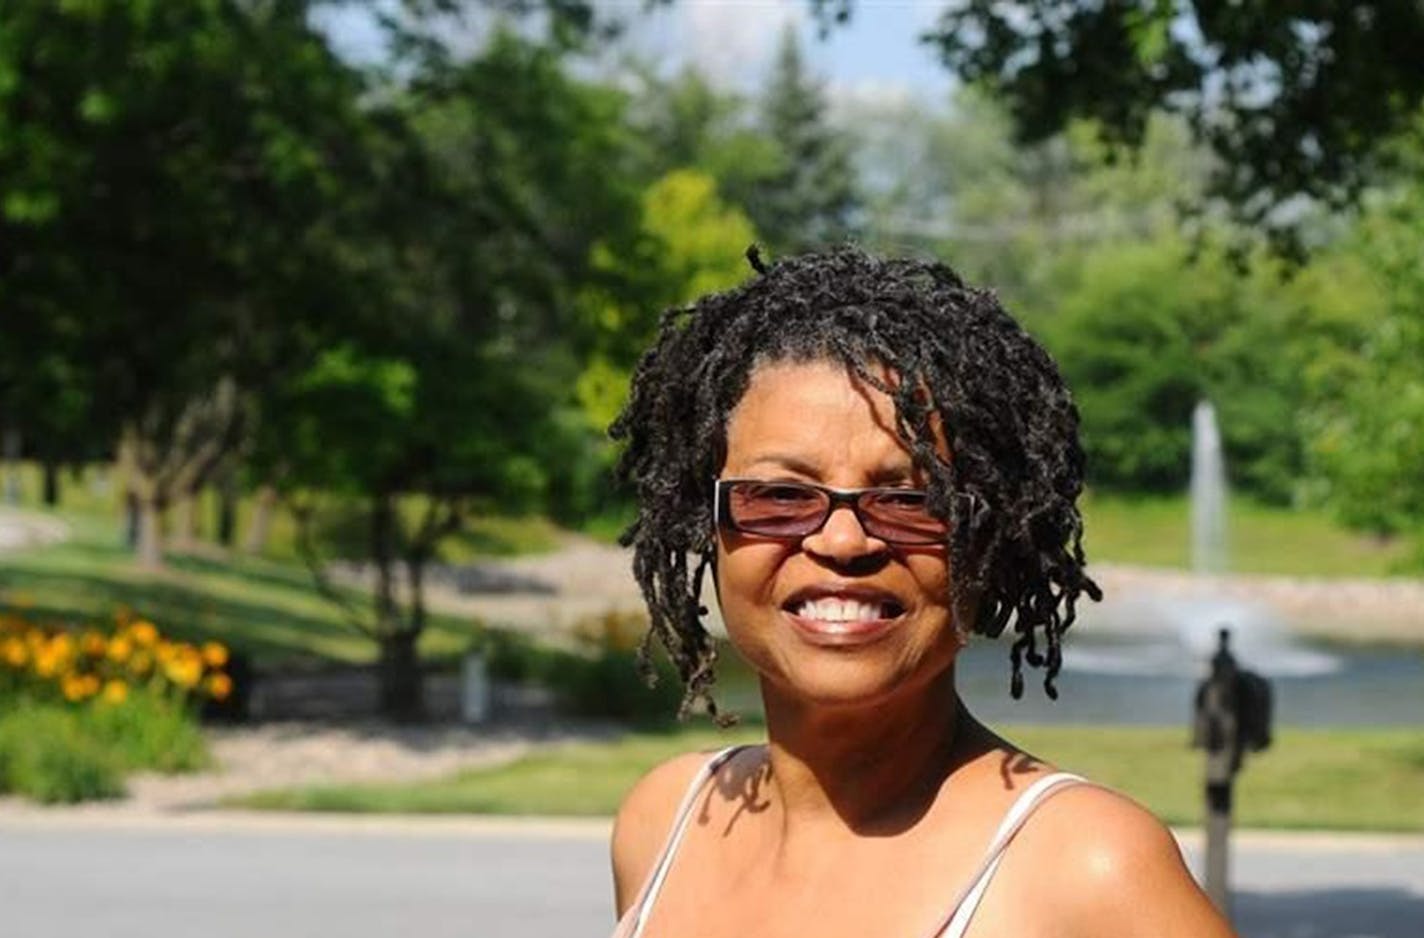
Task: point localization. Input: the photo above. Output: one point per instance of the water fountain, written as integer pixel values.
(1176, 635)
(1208, 492)
(1137, 656)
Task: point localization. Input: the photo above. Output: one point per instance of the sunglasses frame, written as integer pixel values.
(722, 509)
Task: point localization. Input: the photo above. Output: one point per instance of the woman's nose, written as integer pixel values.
(843, 538)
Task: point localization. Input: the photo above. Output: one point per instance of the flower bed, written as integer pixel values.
(81, 707)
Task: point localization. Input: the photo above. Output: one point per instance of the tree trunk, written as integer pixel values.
(11, 457)
(51, 484)
(185, 522)
(132, 523)
(402, 685)
(150, 534)
(402, 691)
(261, 525)
(383, 521)
(227, 511)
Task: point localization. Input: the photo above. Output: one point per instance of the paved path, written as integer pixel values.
(21, 530)
(239, 876)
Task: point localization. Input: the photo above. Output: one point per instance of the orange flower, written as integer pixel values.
(115, 692)
(218, 686)
(141, 663)
(15, 653)
(62, 646)
(46, 663)
(184, 671)
(74, 688)
(143, 633)
(93, 643)
(119, 649)
(214, 654)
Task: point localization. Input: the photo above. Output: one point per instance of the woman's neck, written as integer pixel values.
(874, 770)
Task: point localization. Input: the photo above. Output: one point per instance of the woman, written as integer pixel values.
(873, 460)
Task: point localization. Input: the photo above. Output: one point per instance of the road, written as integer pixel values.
(64, 875)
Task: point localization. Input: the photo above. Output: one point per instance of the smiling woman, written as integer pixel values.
(873, 461)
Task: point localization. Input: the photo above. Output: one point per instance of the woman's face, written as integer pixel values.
(838, 617)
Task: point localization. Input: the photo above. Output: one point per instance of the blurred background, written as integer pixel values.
(313, 316)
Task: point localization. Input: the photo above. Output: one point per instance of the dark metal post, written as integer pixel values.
(1233, 714)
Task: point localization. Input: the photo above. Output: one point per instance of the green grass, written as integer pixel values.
(1314, 779)
(266, 608)
(1261, 539)
(95, 495)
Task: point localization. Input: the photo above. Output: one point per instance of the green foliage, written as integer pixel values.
(1145, 333)
(1295, 100)
(54, 753)
(46, 755)
(811, 197)
(1369, 393)
(693, 243)
(176, 176)
(146, 731)
(598, 677)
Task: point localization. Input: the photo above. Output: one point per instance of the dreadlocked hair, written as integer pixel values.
(1008, 489)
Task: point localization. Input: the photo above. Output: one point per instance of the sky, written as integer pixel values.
(733, 41)
(874, 58)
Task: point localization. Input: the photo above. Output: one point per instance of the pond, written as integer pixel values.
(1126, 680)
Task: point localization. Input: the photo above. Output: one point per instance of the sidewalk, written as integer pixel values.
(241, 874)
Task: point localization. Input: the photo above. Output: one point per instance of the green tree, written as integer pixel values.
(451, 400)
(1297, 100)
(952, 181)
(692, 243)
(811, 197)
(1147, 332)
(169, 172)
(684, 122)
(1368, 413)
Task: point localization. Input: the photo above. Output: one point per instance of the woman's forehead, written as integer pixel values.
(809, 414)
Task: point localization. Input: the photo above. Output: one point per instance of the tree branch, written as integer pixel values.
(302, 512)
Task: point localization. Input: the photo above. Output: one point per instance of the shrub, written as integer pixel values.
(78, 708)
(601, 677)
(45, 755)
(597, 677)
(147, 731)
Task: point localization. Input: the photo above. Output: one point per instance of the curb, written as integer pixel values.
(27, 818)
(214, 821)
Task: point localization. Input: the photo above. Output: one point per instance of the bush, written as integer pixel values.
(147, 731)
(598, 677)
(601, 677)
(46, 755)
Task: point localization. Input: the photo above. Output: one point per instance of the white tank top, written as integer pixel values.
(955, 921)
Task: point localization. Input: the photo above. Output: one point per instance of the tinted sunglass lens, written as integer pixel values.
(776, 509)
(902, 517)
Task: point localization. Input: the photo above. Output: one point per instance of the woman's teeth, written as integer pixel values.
(842, 610)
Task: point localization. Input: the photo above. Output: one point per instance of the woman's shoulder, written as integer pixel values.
(1100, 863)
(646, 817)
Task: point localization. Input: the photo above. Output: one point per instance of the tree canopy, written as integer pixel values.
(1296, 99)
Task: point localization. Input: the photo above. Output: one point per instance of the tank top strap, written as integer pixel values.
(967, 902)
(636, 918)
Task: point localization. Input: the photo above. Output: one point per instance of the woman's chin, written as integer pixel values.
(838, 682)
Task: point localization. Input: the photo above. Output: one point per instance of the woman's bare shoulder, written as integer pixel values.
(645, 819)
(1101, 864)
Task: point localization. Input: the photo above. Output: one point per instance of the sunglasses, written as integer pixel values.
(800, 509)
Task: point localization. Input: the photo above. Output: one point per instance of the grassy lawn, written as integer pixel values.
(1313, 779)
(1261, 539)
(266, 608)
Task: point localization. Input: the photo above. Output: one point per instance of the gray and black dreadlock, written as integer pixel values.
(1009, 489)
